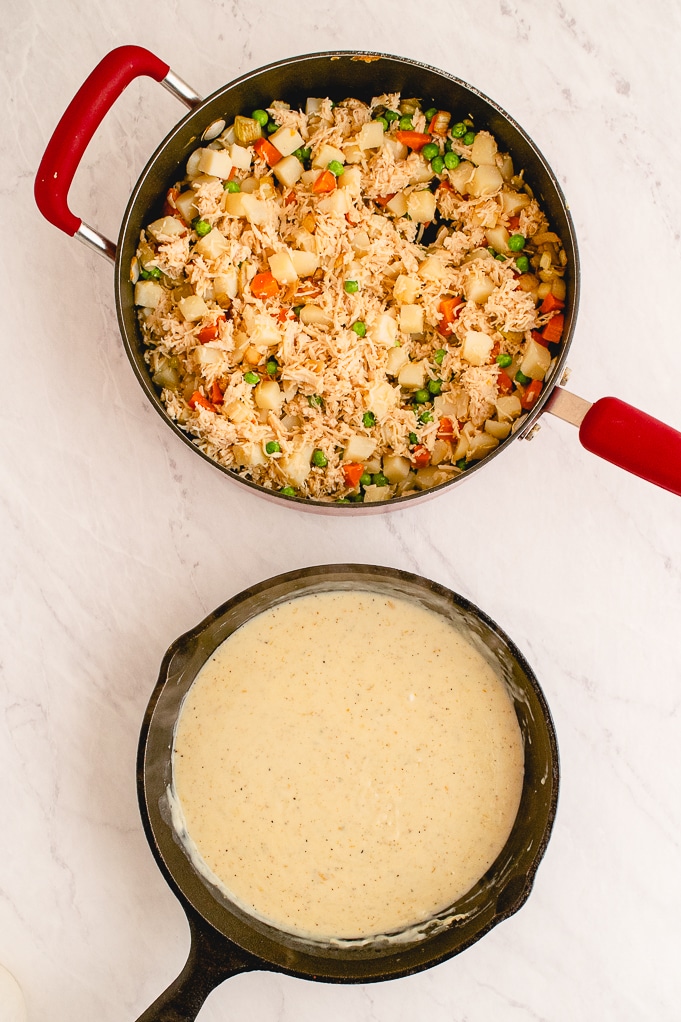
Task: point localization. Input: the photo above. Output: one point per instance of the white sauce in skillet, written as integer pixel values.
(346, 764)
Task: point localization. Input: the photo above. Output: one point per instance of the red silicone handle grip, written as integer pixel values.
(634, 441)
(81, 119)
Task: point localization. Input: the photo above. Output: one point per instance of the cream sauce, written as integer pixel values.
(346, 764)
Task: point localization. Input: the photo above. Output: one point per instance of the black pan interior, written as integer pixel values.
(337, 75)
(499, 893)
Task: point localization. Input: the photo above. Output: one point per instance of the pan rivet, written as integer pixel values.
(565, 377)
(533, 432)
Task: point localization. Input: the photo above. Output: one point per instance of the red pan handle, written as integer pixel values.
(634, 441)
(81, 119)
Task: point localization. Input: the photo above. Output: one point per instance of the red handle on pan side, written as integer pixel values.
(634, 441)
(81, 119)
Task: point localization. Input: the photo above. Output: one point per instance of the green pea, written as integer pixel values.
(351, 286)
(153, 273)
(202, 227)
(439, 356)
(319, 459)
(500, 258)
(383, 121)
(426, 416)
(359, 327)
(516, 242)
(365, 479)
(522, 379)
(356, 498)
(315, 401)
(452, 160)
(468, 138)
(430, 113)
(272, 126)
(413, 439)
(272, 447)
(406, 123)
(288, 491)
(368, 420)
(336, 167)
(261, 116)
(430, 150)
(342, 500)
(272, 366)
(303, 154)
(251, 378)
(437, 164)
(461, 463)
(421, 396)
(297, 310)
(435, 386)
(523, 264)
(379, 479)
(391, 116)
(232, 186)
(504, 361)
(459, 130)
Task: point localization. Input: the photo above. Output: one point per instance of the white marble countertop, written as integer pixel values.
(116, 538)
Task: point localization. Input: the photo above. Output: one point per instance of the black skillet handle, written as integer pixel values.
(212, 959)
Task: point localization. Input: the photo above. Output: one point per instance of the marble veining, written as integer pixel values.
(116, 538)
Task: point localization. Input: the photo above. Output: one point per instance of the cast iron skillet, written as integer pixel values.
(224, 939)
(609, 427)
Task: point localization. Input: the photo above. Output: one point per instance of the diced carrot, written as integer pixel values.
(269, 153)
(383, 200)
(420, 456)
(264, 285)
(532, 392)
(513, 223)
(504, 382)
(536, 336)
(440, 122)
(352, 473)
(290, 198)
(326, 182)
(284, 314)
(197, 398)
(169, 207)
(446, 186)
(448, 307)
(232, 174)
(413, 139)
(551, 304)
(553, 331)
(216, 393)
(445, 429)
(212, 331)
(495, 351)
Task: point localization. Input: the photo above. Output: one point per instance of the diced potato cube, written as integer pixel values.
(484, 149)
(395, 467)
(304, 240)
(397, 359)
(359, 448)
(508, 407)
(324, 156)
(478, 288)
(226, 283)
(513, 202)
(166, 227)
(212, 245)
(185, 203)
(382, 399)
(337, 202)
(500, 430)
(361, 243)
(498, 237)
(461, 449)
(296, 466)
(406, 289)
(384, 330)
(351, 178)
(233, 203)
(481, 445)
(397, 205)
(461, 175)
(421, 173)
(304, 263)
(485, 181)
(536, 361)
(240, 156)
(373, 493)
(353, 154)
(238, 411)
(192, 308)
(442, 451)
(288, 171)
(286, 140)
(216, 162)
(282, 268)
(477, 347)
(411, 319)
(256, 210)
(312, 315)
(430, 476)
(313, 105)
(433, 268)
(148, 293)
(398, 149)
(421, 205)
(371, 135)
(248, 455)
(452, 405)
(412, 376)
(268, 396)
